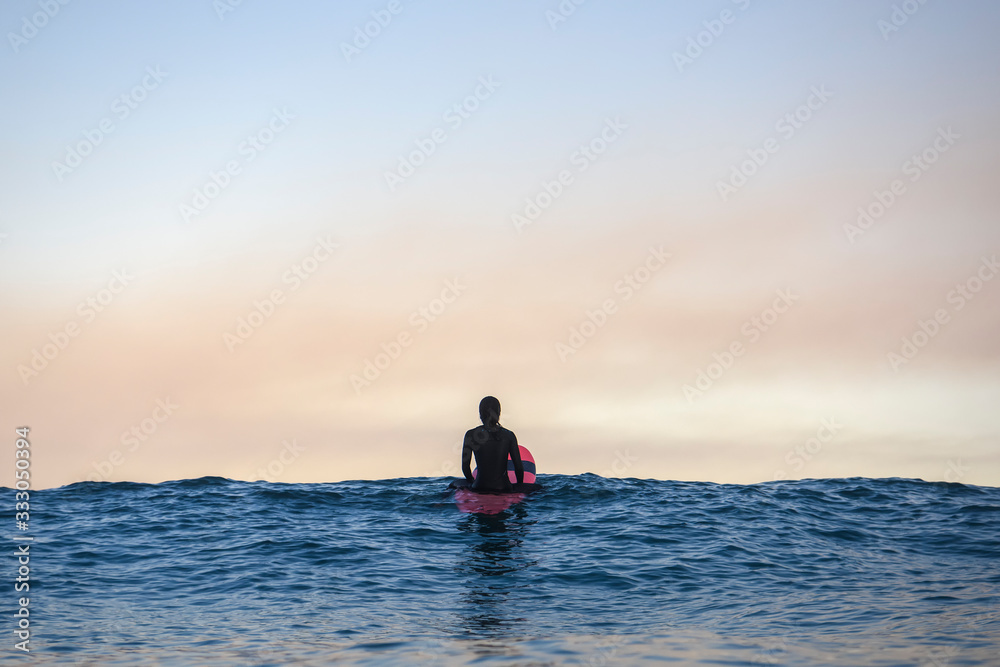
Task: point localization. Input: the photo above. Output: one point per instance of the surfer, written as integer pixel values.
(492, 444)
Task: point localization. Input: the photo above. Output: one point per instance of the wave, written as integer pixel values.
(377, 564)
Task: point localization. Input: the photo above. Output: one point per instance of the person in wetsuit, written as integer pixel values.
(492, 444)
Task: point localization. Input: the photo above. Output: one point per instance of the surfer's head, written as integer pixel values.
(489, 411)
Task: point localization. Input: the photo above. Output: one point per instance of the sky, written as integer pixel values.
(731, 241)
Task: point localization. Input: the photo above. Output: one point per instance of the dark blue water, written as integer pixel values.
(589, 571)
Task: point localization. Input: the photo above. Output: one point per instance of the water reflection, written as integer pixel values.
(493, 569)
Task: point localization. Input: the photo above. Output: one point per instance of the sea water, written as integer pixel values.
(588, 571)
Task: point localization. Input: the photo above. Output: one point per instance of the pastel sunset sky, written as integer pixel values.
(727, 240)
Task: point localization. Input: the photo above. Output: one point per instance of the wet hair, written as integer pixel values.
(489, 411)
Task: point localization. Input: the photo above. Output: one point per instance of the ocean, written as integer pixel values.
(588, 571)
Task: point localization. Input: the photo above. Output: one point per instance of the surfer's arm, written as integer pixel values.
(515, 456)
(467, 457)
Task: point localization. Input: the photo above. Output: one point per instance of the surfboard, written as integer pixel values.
(470, 502)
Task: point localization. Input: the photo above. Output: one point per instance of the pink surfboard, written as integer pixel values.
(494, 503)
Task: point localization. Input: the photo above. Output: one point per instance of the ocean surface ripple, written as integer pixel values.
(588, 571)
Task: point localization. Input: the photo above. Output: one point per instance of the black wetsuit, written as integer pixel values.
(492, 446)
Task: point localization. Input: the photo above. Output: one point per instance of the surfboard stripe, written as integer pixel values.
(529, 466)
